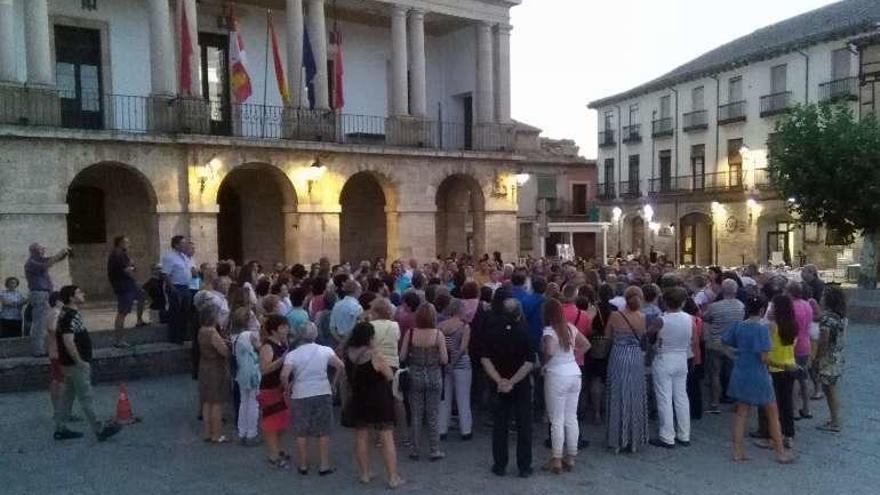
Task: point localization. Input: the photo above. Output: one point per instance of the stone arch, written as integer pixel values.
(106, 200)
(695, 239)
(368, 217)
(257, 215)
(460, 223)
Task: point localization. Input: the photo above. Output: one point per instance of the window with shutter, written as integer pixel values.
(546, 187)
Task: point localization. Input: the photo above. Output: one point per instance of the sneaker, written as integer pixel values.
(108, 431)
(683, 443)
(436, 456)
(66, 434)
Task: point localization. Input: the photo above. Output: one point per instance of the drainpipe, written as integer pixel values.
(717, 137)
(806, 78)
(675, 129)
(653, 171)
(619, 151)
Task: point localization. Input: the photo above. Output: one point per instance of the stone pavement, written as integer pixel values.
(164, 454)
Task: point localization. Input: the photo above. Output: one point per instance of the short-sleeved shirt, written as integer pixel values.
(70, 321)
(11, 302)
(309, 363)
(117, 263)
(505, 343)
(345, 315)
(177, 266)
(750, 379)
(36, 271)
(720, 316)
(803, 314)
(385, 340)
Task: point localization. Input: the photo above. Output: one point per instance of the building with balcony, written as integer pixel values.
(697, 188)
(393, 138)
(557, 202)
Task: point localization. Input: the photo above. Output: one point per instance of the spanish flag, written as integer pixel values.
(279, 68)
(240, 81)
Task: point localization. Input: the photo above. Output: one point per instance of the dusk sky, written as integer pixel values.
(566, 53)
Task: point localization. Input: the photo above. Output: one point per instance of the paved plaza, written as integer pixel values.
(164, 454)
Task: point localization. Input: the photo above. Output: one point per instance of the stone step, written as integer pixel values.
(150, 334)
(109, 364)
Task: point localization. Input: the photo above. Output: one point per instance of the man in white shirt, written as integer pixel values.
(178, 271)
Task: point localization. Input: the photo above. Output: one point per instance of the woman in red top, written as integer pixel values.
(583, 321)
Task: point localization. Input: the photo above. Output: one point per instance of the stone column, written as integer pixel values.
(399, 86)
(161, 49)
(502, 73)
(418, 102)
(7, 42)
(485, 94)
(318, 38)
(39, 57)
(295, 52)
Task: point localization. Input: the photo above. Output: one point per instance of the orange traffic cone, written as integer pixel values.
(123, 408)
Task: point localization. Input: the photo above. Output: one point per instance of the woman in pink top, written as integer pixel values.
(803, 315)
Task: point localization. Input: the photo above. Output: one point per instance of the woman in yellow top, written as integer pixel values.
(782, 366)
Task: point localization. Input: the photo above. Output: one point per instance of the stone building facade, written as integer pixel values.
(682, 158)
(92, 148)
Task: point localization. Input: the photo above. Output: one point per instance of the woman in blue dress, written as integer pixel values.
(750, 383)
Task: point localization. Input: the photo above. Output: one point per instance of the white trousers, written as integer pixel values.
(248, 414)
(561, 394)
(457, 387)
(670, 387)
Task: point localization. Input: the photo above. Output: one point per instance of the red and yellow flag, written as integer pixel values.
(279, 67)
(239, 79)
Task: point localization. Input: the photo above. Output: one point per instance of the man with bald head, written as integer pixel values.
(36, 270)
(720, 316)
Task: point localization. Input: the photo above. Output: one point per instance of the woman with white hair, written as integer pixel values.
(304, 376)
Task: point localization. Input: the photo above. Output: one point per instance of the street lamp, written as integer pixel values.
(521, 178)
(315, 171)
(648, 213)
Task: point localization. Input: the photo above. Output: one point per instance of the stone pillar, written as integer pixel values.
(416, 231)
(7, 42)
(318, 38)
(162, 74)
(485, 95)
(399, 86)
(319, 232)
(418, 102)
(295, 52)
(502, 73)
(39, 57)
(392, 234)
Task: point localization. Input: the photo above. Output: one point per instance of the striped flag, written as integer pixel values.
(283, 90)
(338, 68)
(239, 79)
(186, 55)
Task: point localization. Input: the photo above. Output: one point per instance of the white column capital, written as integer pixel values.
(416, 13)
(399, 10)
(503, 29)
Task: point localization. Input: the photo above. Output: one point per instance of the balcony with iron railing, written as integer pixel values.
(670, 185)
(606, 191)
(147, 115)
(762, 179)
(843, 89)
(662, 127)
(695, 121)
(776, 103)
(630, 189)
(732, 112)
(632, 133)
(606, 138)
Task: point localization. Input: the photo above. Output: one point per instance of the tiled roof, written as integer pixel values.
(834, 21)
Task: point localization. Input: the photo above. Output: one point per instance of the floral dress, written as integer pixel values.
(831, 355)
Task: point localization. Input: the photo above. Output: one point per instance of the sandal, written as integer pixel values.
(829, 427)
(221, 439)
(396, 483)
(279, 463)
(325, 472)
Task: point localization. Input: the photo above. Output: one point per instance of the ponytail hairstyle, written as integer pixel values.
(554, 317)
(783, 313)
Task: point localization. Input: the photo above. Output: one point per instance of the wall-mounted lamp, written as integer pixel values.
(521, 178)
(616, 214)
(654, 226)
(314, 173)
(207, 172)
(648, 213)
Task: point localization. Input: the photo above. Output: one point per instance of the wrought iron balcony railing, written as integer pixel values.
(775, 103)
(732, 112)
(694, 121)
(846, 88)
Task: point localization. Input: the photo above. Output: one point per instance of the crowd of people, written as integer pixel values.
(410, 350)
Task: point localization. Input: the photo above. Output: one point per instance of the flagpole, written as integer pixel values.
(265, 76)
